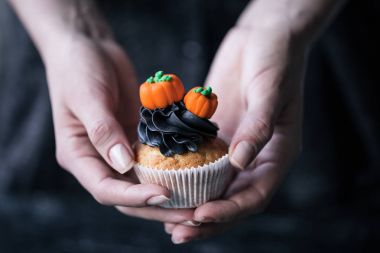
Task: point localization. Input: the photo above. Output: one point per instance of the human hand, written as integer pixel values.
(257, 75)
(93, 93)
(94, 96)
(94, 100)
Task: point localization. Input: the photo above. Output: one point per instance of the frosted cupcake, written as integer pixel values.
(178, 146)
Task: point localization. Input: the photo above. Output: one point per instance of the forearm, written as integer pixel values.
(303, 18)
(54, 22)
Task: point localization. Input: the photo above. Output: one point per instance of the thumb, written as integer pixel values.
(253, 132)
(106, 134)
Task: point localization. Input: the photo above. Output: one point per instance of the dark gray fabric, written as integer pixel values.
(26, 135)
(329, 202)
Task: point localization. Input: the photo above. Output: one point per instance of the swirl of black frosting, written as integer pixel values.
(174, 129)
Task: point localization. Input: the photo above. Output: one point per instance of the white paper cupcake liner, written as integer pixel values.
(189, 187)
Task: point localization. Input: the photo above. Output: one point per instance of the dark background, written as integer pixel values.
(330, 201)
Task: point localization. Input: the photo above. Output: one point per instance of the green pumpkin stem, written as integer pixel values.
(150, 80)
(159, 77)
(165, 78)
(197, 90)
(207, 92)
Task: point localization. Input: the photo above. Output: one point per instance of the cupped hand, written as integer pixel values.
(95, 110)
(257, 75)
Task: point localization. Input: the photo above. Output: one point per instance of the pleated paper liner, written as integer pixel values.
(189, 187)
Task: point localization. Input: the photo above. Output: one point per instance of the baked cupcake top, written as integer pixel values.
(175, 123)
(207, 153)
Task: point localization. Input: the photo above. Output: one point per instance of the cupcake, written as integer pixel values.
(178, 147)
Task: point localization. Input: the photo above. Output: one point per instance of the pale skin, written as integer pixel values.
(258, 69)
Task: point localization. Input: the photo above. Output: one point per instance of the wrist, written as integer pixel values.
(55, 23)
(303, 20)
(63, 40)
(61, 44)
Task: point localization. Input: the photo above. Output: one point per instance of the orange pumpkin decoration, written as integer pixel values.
(201, 102)
(161, 90)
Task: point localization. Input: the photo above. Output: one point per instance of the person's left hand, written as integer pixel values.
(257, 76)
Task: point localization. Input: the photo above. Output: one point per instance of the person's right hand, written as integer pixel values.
(94, 99)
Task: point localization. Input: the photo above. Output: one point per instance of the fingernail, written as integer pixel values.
(178, 240)
(168, 230)
(191, 223)
(242, 155)
(157, 200)
(120, 158)
(205, 219)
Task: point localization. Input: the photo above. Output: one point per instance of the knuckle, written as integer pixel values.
(61, 158)
(260, 131)
(238, 31)
(126, 189)
(127, 210)
(100, 198)
(236, 35)
(234, 31)
(100, 132)
(99, 192)
(264, 130)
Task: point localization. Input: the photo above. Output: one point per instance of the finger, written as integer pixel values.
(260, 183)
(179, 216)
(107, 189)
(227, 58)
(105, 132)
(239, 205)
(169, 227)
(182, 234)
(253, 132)
(261, 93)
(252, 129)
(128, 88)
(264, 73)
(221, 76)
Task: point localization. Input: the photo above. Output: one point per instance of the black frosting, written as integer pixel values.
(174, 129)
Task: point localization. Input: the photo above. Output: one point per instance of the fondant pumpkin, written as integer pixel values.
(161, 90)
(201, 102)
